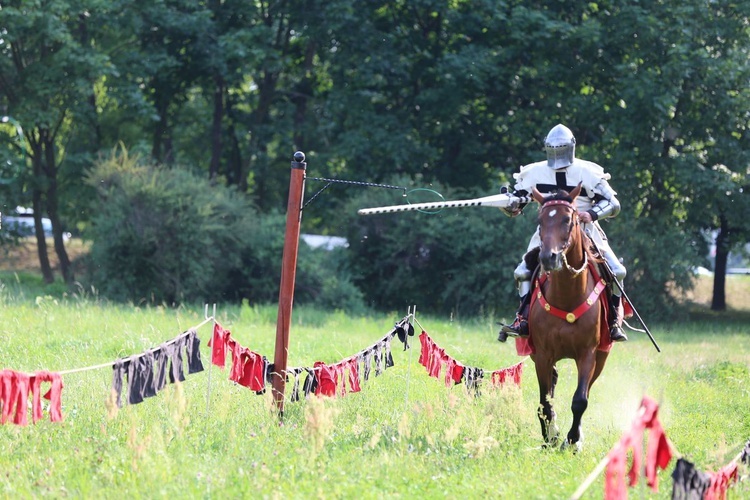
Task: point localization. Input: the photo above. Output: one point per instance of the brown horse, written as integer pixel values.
(565, 317)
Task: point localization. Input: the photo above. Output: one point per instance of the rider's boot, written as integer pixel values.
(616, 333)
(520, 327)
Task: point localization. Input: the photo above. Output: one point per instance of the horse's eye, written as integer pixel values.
(566, 221)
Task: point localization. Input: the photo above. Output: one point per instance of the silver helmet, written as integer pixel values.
(560, 146)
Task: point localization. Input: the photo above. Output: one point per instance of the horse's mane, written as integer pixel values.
(561, 195)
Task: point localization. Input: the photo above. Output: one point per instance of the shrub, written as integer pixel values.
(164, 235)
(458, 261)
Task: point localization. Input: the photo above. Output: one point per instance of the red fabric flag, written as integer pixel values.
(53, 395)
(353, 365)
(720, 482)
(500, 377)
(327, 379)
(658, 453)
(218, 343)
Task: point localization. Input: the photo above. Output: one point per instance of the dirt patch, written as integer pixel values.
(24, 256)
(737, 292)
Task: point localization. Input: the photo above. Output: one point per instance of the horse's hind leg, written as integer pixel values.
(601, 359)
(553, 385)
(546, 375)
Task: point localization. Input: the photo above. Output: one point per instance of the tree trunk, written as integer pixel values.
(304, 91)
(158, 146)
(718, 301)
(57, 235)
(36, 154)
(234, 169)
(216, 128)
(48, 148)
(41, 242)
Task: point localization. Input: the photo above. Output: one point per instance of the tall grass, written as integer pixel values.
(405, 435)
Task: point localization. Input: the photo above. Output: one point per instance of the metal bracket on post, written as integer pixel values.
(210, 364)
(288, 274)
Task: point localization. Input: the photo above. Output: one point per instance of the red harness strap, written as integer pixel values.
(570, 317)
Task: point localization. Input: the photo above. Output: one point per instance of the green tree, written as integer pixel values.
(48, 72)
(634, 81)
(458, 94)
(680, 72)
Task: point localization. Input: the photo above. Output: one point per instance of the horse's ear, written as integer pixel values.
(576, 191)
(537, 195)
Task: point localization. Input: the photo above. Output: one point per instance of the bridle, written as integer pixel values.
(566, 246)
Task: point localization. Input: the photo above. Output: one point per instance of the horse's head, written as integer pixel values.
(558, 218)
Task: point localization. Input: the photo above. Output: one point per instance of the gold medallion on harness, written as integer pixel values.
(546, 307)
(571, 318)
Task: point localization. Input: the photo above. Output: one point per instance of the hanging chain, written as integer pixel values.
(354, 183)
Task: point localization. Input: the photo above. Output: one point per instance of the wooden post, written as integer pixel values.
(288, 274)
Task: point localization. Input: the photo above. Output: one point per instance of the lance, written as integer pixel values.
(503, 200)
(625, 295)
(632, 306)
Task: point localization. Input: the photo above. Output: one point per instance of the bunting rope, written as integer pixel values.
(388, 337)
(659, 453)
(333, 375)
(132, 356)
(615, 488)
(499, 369)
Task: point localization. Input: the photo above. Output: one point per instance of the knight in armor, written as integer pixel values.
(562, 170)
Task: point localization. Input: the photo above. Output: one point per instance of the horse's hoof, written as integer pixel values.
(550, 445)
(574, 447)
(502, 337)
(552, 441)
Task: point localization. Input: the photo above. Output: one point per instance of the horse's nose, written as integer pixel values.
(551, 261)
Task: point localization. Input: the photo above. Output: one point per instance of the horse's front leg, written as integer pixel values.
(546, 375)
(586, 366)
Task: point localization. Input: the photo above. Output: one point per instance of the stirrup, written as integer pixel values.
(519, 328)
(616, 334)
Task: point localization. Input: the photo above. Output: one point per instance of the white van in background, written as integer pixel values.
(22, 224)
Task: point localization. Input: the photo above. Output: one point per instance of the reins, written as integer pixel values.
(575, 272)
(570, 316)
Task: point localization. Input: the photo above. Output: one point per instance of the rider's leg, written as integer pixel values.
(522, 274)
(616, 332)
(520, 326)
(600, 240)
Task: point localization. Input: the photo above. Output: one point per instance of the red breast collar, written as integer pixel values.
(570, 317)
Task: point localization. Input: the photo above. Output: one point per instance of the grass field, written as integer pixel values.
(405, 435)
